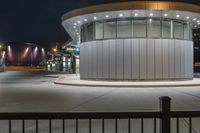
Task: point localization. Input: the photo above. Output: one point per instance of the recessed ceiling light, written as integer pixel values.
(195, 26)
(177, 15)
(74, 27)
(79, 22)
(75, 23)
(150, 20)
(187, 17)
(194, 19)
(151, 14)
(121, 15)
(198, 21)
(107, 16)
(165, 15)
(95, 18)
(136, 14)
(85, 20)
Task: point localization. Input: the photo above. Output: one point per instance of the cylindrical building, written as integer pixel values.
(135, 40)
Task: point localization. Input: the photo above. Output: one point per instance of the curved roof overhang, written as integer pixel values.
(74, 16)
(133, 5)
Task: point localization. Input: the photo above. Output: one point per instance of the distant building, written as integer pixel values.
(196, 38)
(137, 40)
(2, 58)
(65, 58)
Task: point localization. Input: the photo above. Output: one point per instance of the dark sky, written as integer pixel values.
(39, 21)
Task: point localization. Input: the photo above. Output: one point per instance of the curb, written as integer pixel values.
(138, 86)
(51, 76)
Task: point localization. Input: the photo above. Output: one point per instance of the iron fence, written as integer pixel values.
(161, 121)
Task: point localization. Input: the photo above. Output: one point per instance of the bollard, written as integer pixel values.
(165, 108)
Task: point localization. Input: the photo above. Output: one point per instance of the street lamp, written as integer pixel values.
(31, 52)
(54, 50)
(43, 53)
(10, 56)
(25, 52)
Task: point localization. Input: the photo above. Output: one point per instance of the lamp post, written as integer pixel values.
(31, 52)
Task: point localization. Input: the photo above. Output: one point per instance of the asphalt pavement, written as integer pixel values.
(33, 91)
(36, 92)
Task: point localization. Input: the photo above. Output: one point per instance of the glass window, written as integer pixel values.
(136, 28)
(98, 30)
(90, 32)
(186, 31)
(191, 32)
(166, 29)
(153, 28)
(110, 29)
(83, 33)
(178, 30)
(124, 28)
(139, 28)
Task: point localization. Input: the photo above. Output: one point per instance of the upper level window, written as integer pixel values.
(178, 30)
(124, 28)
(139, 28)
(110, 29)
(186, 31)
(136, 28)
(167, 28)
(90, 32)
(153, 28)
(98, 30)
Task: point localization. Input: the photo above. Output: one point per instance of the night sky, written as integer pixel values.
(39, 21)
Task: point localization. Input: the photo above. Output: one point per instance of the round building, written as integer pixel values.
(134, 40)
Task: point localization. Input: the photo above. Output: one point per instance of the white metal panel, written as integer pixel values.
(127, 59)
(94, 58)
(100, 59)
(177, 59)
(186, 60)
(112, 59)
(143, 59)
(106, 59)
(158, 59)
(89, 60)
(150, 58)
(82, 60)
(130, 59)
(165, 58)
(183, 42)
(135, 59)
(85, 60)
(171, 59)
(191, 58)
(120, 58)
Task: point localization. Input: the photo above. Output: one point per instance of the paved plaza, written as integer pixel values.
(32, 92)
(36, 92)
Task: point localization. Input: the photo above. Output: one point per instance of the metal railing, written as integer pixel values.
(160, 119)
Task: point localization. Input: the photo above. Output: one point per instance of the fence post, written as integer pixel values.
(165, 109)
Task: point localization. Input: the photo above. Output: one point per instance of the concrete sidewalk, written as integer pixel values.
(74, 80)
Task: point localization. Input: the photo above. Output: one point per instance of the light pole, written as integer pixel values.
(31, 52)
